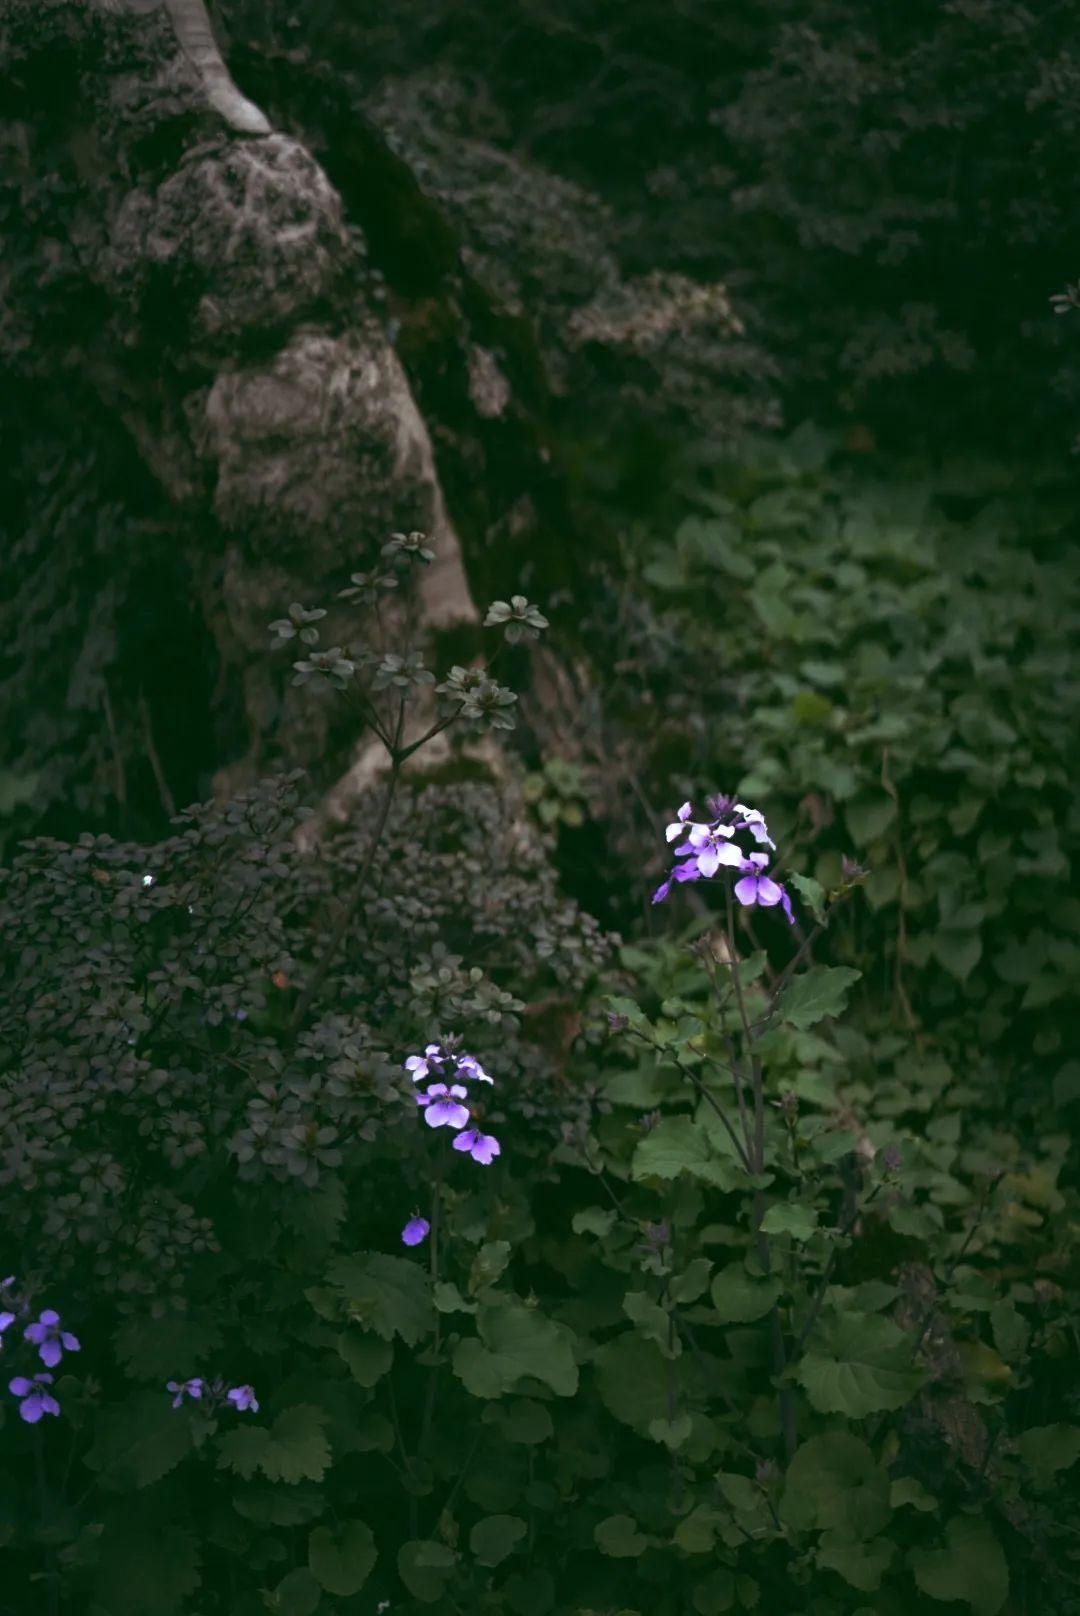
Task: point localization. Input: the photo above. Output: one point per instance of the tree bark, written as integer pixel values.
(226, 370)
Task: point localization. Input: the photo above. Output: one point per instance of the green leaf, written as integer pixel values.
(1011, 1330)
(342, 1560)
(969, 1566)
(495, 1538)
(811, 892)
(368, 1356)
(152, 1349)
(277, 1506)
(389, 1295)
(424, 1566)
(692, 1282)
(738, 1299)
(138, 1440)
(863, 1366)
(146, 1566)
(619, 1537)
(488, 1265)
(715, 1593)
(1046, 1449)
(515, 1341)
(294, 1448)
(788, 1217)
(653, 1321)
(448, 1299)
(672, 1433)
(597, 1220)
(526, 1421)
(297, 1594)
(834, 1484)
(869, 816)
(958, 951)
(633, 1380)
(911, 1492)
(821, 991)
(861, 1564)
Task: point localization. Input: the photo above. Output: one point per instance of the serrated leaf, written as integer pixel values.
(386, 1294)
(138, 1441)
(677, 1145)
(969, 1565)
(158, 1349)
(342, 1560)
(821, 991)
(294, 1448)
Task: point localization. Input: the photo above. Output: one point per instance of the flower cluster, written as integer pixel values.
(710, 845)
(443, 1108)
(52, 1341)
(241, 1397)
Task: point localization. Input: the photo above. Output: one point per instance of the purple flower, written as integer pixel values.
(678, 827)
(754, 822)
(469, 1066)
(682, 872)
(757, 887)
(50, 1338)
(480, 1146)
(5, 1320)
(444, 1111)
(36, 1401)
(190, 1388)
(415, 1230)
(243, 1397)
(712, 847)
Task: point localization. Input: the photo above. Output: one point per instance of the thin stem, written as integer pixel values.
(436, 1209)
(329, 954)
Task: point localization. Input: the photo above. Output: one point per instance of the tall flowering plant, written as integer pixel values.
(443, 1106)
(732, 840)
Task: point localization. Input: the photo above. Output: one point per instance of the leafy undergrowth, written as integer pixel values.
(768, 1299)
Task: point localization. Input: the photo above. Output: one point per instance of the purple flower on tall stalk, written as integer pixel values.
(482, 1147)
(443, 1107)
(243, 1397)
(51, 1340)
(36, 1399)
(710, 847)
(757, 887)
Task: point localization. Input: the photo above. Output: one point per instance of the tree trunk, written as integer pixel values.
(207, 417)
